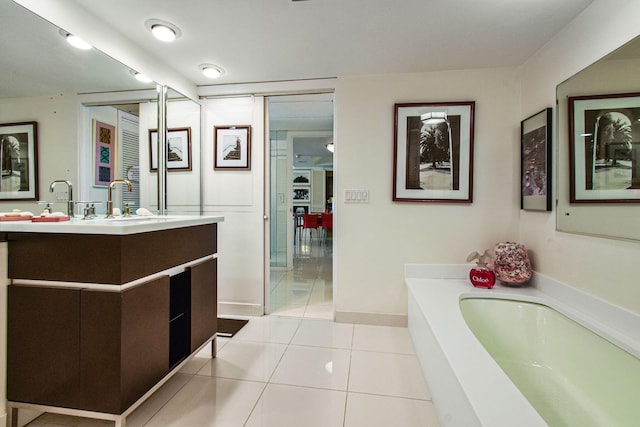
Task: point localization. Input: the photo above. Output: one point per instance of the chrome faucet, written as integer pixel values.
(109, 199)
(70, 199)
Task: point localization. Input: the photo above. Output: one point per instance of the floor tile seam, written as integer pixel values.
(253, 408)
(320, 346)
(222, 377)
(255, 341)
(307, 387)
(314, 387)
(366, 350)
(169, 399)
(389, 395)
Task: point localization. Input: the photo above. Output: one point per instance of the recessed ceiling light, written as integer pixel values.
(163, 30)
(141, 77)
(75, 41)
(211, 71)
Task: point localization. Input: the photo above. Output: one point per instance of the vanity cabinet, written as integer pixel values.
(124, 338)
(96, 345)
(81, 348)
(44, 367)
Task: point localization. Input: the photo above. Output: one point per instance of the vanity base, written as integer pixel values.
(119, 420)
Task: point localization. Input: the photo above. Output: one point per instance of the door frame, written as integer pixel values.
(267, 198)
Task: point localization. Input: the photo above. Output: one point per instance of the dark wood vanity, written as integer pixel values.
(96, 322)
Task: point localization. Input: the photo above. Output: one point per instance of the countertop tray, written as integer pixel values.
(50, 218)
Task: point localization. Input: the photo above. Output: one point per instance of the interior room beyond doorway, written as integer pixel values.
(301, 184)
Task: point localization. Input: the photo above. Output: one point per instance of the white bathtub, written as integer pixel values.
(468, 386)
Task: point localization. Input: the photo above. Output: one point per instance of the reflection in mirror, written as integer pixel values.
(70, 93)
(183, 156)
(615, 74)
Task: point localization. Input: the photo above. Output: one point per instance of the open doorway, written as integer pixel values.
(301, 205)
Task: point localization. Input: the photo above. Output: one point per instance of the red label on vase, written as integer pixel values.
(482, 278)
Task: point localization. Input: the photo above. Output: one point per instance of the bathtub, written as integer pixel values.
(591, 381)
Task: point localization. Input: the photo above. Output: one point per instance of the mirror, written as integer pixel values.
(183, 157)
(48, 81)
(599, 178)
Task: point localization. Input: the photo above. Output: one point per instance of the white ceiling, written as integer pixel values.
(36, 60)
(270, 40)
(267, 40)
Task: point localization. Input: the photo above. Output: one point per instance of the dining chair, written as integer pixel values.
(310, 222)
(327, 223)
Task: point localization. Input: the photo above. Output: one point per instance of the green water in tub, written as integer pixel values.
(570, 375)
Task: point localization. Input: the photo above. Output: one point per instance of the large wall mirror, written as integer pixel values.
(598, 164)
(70, 93)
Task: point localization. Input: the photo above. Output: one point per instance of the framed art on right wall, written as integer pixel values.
(604, 152)
(535, 150)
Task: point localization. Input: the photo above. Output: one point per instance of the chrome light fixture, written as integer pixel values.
(141, 77)
(75, 41)
(211, 71)
(163, 30)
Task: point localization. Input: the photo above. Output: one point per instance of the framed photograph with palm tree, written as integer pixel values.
(604, 148)
(535, 164)
(433, 152)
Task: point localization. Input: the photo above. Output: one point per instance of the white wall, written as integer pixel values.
(603, 267)
(239, 196)
(375, 240)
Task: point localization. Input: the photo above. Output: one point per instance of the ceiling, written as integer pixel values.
(272, 40)
(267, 40)
(38, 61)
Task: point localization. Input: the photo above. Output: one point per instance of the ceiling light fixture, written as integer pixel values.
(330, 146)
(163, 30)
(141, 77)
(75, 41)
(211, 71)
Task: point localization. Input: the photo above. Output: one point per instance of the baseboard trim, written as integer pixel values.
(378, 319)
(239, 309)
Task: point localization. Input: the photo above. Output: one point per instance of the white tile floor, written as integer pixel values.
(307, 289)
(284, 371)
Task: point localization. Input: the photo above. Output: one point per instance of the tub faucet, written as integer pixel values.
(109, 199)
(70, 199)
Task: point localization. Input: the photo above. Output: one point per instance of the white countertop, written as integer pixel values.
(118, 226)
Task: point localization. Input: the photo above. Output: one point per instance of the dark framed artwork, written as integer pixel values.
(433, 152)
(19, 160)
(232, 147)
(604, 148)
(535, 161)
(178, 149)
(104, 143)
(302, 177)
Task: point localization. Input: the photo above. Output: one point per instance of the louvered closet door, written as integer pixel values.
(128, 135)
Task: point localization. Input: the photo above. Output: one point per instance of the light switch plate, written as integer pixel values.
(356, 196)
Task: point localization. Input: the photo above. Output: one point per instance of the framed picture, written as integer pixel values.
(19, 160)
(604, 148)
(535, 161)
(104, 142)
(301, 195)
(301, 177)
(433, 152)
(232, 148)
(178, 146)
